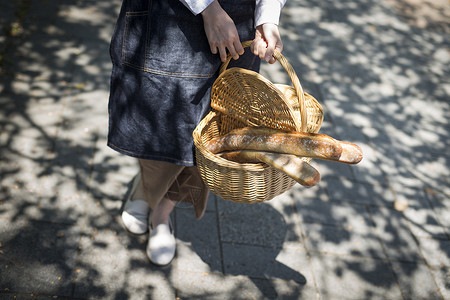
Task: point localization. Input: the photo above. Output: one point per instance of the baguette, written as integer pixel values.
(304, 144)
(351, 153)
(291, 165)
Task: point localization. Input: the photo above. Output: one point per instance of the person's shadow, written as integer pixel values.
(250, 240)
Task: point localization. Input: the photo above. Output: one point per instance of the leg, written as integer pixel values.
(162, 212)
(136, 210)
(157, 178)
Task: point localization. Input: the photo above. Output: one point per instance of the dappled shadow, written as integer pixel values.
(252, 244)
(379, 70)
(55, 167)
(381, 82)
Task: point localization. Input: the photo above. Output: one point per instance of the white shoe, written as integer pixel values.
(135, 213)
(161, 245)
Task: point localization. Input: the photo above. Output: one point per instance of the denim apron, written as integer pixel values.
(162, 74)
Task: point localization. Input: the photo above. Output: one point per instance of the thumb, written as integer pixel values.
(273, 39)
(271, 43)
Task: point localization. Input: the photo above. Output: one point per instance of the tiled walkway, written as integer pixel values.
(381, 71)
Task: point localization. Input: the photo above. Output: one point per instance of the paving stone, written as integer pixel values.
(435, 252)
(357, 192)
(8, 295)
(441, 207)
(91, 74)
(113, 263)
(111, 187)
(25, 158)
(433, 170)
(18, 204)
(442, 278)
(67, 182)
(198, 247)
(107, 160)
(340, 277)
(255, 224)
(8, 11)
(84, 99)
(103, 213)
(264, 262)
(24, 165)
(392, 229)
(49, 63)
(333, 169)
(194, 285)
(350, 217)
(210, 205)
(315, 193)
(368, 169)
(63, 198)
(285, 205)
(281, 289)
(38, 118)
(212, 202)
(37, 257)
(393, 103)
(416, 281)
(352, 117)
(413, 196)
(88, 19)
(423, 222)
(339, 241)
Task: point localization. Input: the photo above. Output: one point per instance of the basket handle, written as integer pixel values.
(292, 75)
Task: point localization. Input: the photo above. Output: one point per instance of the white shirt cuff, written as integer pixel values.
(196, 6)
(268, 11)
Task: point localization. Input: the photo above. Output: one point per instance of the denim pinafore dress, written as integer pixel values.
(162, 74)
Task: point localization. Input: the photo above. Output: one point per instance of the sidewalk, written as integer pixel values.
(381, 71)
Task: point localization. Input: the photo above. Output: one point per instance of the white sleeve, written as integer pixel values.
(196, 6)
(268, 11)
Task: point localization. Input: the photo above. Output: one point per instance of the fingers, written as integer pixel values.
(223, 54)
(267, 39)
(238, 47)
(269, 51)
(234, 49)
(225, 50)
(221, 32)
(261, 49)
(213, 48)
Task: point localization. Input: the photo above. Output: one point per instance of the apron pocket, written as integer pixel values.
(177, 43)
(134, 39)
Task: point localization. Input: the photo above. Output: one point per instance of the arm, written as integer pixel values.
(267, 37)
(268, 11)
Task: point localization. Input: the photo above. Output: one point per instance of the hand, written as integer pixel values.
(221, 32)
(267, 38)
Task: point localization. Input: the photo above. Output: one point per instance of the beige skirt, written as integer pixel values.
(161, 179)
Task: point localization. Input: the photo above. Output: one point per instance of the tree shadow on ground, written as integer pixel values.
(253, 243)
(380, 82)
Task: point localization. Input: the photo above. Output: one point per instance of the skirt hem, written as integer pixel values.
(151, 156)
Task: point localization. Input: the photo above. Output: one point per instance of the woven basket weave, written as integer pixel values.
(241, 98)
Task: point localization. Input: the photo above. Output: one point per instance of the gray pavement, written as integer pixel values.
(381, 70)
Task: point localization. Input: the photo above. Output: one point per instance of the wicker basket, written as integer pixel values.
(241, 98)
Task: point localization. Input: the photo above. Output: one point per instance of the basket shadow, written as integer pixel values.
(250, 242)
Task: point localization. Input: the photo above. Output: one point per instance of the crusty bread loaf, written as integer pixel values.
(291, 165)
(351, 153)
(312, 145)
